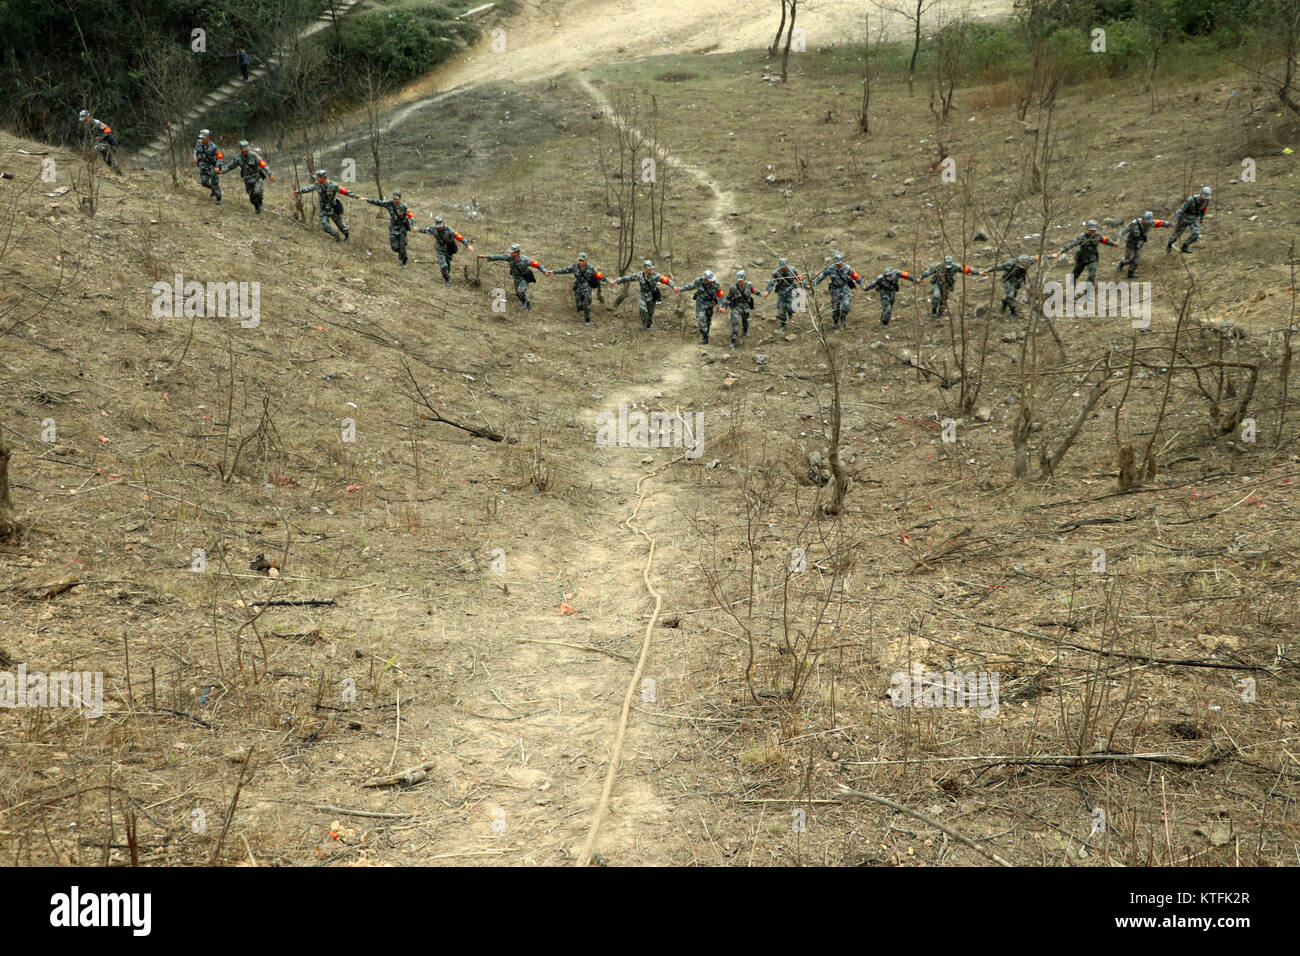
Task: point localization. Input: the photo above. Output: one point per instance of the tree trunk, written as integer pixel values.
(789, 35)
(9, 528)
(916, 47)
(776, 42)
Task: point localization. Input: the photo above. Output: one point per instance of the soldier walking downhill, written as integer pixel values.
(1190, 213)
(399, 222)
(328, 204)
(1015, 273)
(1087, 242)
(943, 278)
(708, 292)
(843, 281)
(253, 171)
(102, 138)
(521, 271)
(444, 242)
(740, 301)
(208, 158)
(887, 283)
(585, 278)
(1135, 237)
(785, 280)
(648, 293)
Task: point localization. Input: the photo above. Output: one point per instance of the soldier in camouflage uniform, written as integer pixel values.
(943, 278)
(1135, 237)
(887, 283)
(1086, 258)
(785, 280)
(708, 292)
(1190, 213)
(399, 222)
(843, 281)
(648, 293)
(444, 240)
(328, 204)
(1015, 273)
(102, 137)
(585, 278)
(520, 271)
(252, 170)
(208, 158)
(740, 301)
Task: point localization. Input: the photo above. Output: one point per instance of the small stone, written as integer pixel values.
(760, 359)
(984, 414)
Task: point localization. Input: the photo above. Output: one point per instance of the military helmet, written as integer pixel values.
(947, 260)
(437, 220)
(837, 255)
(514, 247)
(647, 264)
(740, 273)
(243, 144)
(1092, 225)
(204, 133)
(708, 273)
(1205, 191)
(397, 194)
(782, 263)
(582, 256)
(84, 115)
(1148, 217)
(321, 174)
(1024, 260)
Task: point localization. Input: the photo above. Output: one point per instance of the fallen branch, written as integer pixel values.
(436, 416)
(408, 777)
(580, 647)
(364, 813)
(311, 602)
(886, 802)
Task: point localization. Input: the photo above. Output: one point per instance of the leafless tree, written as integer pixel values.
(914, 14)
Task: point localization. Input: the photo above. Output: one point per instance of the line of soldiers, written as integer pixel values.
(738, 299)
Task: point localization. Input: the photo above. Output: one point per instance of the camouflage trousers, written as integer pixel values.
(704, 319)
(255, 189)
(886, 307)
(335, 215)
(444, 262)
(582, 301)
(1010, 290)
(1132, 250)
(1085, 261)
(784, 306)
(397, 242)
(938, 298)
(208, 177)
(521, 293)
(1182, 224)
(647, 308)
(841, 302)
(739, 323)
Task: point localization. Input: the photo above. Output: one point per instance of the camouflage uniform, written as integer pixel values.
(1190, 213)
(444, 242)
(102, 139)
(1087, 256)
(943, 277)
(648, 293)
(843, 281)
(1135, 237)
(399, 224)
(740, 300)
(585, 278)
(519, 273)
(786, 280)
(707, 293)
(329, 206)
(208, 158)
(1014, 275)
(887, 283)
(253, 171)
